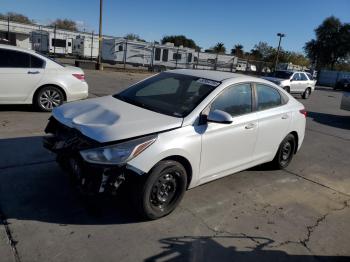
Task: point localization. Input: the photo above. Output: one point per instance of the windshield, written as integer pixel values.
(281, 74)
(169, 93)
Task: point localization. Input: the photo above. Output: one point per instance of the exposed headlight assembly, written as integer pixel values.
(119, 153)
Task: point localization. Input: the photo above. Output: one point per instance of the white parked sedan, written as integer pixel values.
(293, 82)
(175, 131)
(27, 77)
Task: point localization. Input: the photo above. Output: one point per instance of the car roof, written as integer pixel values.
(213, 75)
(16, 48)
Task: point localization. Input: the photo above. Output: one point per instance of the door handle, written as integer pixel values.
(33, 72)
(249, 126)
(285, 116)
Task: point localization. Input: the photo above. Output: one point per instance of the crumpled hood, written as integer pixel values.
(106, 119)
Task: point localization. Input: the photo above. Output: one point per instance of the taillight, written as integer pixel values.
(304, 112)
(79, 76)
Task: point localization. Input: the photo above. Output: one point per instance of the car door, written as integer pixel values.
(274, 119)
(227, 148)
(295, 83)
(304, 82)
(20, 73)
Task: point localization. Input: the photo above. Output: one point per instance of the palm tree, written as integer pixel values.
(237, 50)
(219, 48)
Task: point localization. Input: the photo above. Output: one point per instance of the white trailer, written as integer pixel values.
(212, 61)
(161, 57)
(40, 41)
(60, 44)
(86, 47)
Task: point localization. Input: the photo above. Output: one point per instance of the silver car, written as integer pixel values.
(293, 82)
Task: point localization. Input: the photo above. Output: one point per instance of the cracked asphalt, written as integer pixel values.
(298, 214)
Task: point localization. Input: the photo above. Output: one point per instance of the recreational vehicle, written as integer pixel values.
(40, 41)
(137, 53)
(85, 47)
(212, 61)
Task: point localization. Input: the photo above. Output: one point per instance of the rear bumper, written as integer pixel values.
(78, 92)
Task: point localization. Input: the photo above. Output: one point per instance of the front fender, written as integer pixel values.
(184, 142)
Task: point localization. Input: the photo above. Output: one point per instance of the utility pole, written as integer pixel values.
(8, 28)
(280, 35)
(92, 43)
(99, 63)
(54, 42)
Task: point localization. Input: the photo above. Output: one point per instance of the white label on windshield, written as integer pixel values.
(208, 82)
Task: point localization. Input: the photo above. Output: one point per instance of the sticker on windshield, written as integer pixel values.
(208, 82)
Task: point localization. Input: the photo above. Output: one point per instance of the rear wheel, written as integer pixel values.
(285, 152)
(161, 191)
(47, 98)
(306, 93)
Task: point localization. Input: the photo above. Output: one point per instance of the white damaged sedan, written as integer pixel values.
(174, 131)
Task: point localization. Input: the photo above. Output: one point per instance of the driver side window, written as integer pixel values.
(235, 100)
(296, 77)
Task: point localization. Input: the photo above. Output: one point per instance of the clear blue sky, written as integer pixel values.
(246, 22)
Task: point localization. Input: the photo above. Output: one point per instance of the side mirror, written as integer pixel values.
(291, 80)
(219, 116)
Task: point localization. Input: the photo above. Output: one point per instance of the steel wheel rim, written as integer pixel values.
(50, 99)
(307, 92)
(165, 190)
(286, 152)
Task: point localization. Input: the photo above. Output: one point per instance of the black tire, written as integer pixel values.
(287, 88)
(47, 98)
(160, 192)
(284, 153)
(306, 93)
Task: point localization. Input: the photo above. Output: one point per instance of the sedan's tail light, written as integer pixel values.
(79, 76)
(303, 111)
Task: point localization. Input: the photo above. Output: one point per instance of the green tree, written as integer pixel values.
(16, 17)
(178, 40)
(263, 51)
(332, 43)
(65, 24)
(132, 36)
(219, 48)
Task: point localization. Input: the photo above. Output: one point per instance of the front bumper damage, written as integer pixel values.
(66, 143)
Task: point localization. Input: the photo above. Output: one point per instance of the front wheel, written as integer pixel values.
(307, 93)
(285, 152)
(161, 191)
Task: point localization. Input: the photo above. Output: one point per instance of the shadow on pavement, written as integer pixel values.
(19, 108)
(328, 89)
(337, 121)
(207, 248)
(33, 187)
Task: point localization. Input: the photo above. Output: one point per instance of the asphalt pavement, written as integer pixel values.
(298, 214)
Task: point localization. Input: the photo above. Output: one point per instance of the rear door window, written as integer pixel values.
(303, 77)
(36, 62)
(310, 76)
(268, 97)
